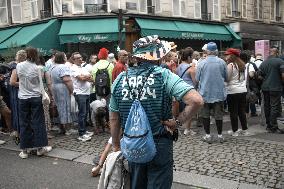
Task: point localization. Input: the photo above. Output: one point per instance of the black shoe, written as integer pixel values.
(270, 130)
(279, 131)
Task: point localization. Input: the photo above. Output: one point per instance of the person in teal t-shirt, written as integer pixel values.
(156, 98)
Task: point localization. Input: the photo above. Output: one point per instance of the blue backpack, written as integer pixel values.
(137, 144)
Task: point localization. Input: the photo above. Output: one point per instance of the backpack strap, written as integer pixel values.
(254, 66)
(104, 68)
(185, 71)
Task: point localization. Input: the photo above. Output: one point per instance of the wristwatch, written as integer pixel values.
(178, 123)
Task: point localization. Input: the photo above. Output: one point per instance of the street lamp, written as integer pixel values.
(119, 13)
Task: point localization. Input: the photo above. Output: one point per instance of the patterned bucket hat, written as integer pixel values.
(151, 48)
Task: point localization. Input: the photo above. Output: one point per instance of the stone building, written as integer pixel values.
(87, 25)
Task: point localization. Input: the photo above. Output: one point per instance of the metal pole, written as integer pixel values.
(120, 27)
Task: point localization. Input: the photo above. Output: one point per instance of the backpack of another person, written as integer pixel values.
(102, 82)
(137, 144)
(256, 81)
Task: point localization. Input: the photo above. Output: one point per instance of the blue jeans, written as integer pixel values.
(158, 173)
(32, 125)
(83, 102)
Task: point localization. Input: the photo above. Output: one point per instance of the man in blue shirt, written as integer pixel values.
(211, 76)
(156, 100)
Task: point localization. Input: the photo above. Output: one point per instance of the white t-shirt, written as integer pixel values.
(97, 104)
(237, 84)
(89, 68)
(80, 87)
(29, 85)
(258, 62)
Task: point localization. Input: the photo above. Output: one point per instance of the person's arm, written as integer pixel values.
(194, 102)
(192, 72)
(180, 90)
(114, 119)
(68, 82)
(229, 72)
(48, 82)
(14, 78)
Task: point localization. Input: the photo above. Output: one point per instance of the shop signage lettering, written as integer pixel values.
(84, 38)
(192, 35)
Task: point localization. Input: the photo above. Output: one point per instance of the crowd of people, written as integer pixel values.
(98, 91)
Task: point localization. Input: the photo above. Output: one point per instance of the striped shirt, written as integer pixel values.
(156, 96)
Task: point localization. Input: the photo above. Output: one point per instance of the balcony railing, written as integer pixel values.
(151, 9)
(206, 16)
(278, 18)
(45, 14)
(95, 8)
(236, 13)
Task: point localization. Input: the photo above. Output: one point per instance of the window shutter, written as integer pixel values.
(229, 7)
(176, 8)
(78, 6)
(182, 8)
(255, 9)
(157, 6)
(244, 8)
(278, 8)
(3, 12)
(34, 9)
(260, 13)
(142, 6)
(197, 9)
(216, 13)
(16, 11)
(113, 5)
(272, 9)
(57, 7)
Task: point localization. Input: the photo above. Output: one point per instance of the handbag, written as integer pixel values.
(45, 97)
(251, 95)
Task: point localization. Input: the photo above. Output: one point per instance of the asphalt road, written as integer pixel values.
(43, 173)
(47, 173)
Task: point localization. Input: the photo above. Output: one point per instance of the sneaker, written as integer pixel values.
(2, 142)
(48, 148)
(189, 132)
(230, 132)
(23, 154)
(221, 139)
(245, 133)
(43, 150)
(235, 134)
(207, 139)
(88, 133)
(84, 138)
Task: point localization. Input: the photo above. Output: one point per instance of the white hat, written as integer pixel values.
(204, 48)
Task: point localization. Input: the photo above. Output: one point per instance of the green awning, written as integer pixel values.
(185, 30)
(41, 36)
(89, 30)
(6, 33)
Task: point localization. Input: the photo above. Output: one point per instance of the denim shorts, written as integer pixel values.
(213, 109)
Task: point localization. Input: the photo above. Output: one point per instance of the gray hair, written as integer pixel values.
(21, 56)
(216, 52)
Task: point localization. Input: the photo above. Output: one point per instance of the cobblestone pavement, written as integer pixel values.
(242, 159)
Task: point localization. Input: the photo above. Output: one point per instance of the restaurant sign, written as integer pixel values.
(192, 35)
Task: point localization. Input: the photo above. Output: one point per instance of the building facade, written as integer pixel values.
(252, 19)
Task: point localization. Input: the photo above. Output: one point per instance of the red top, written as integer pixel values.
(119, 67)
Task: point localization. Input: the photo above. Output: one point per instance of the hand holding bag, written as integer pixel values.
(45, 97)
